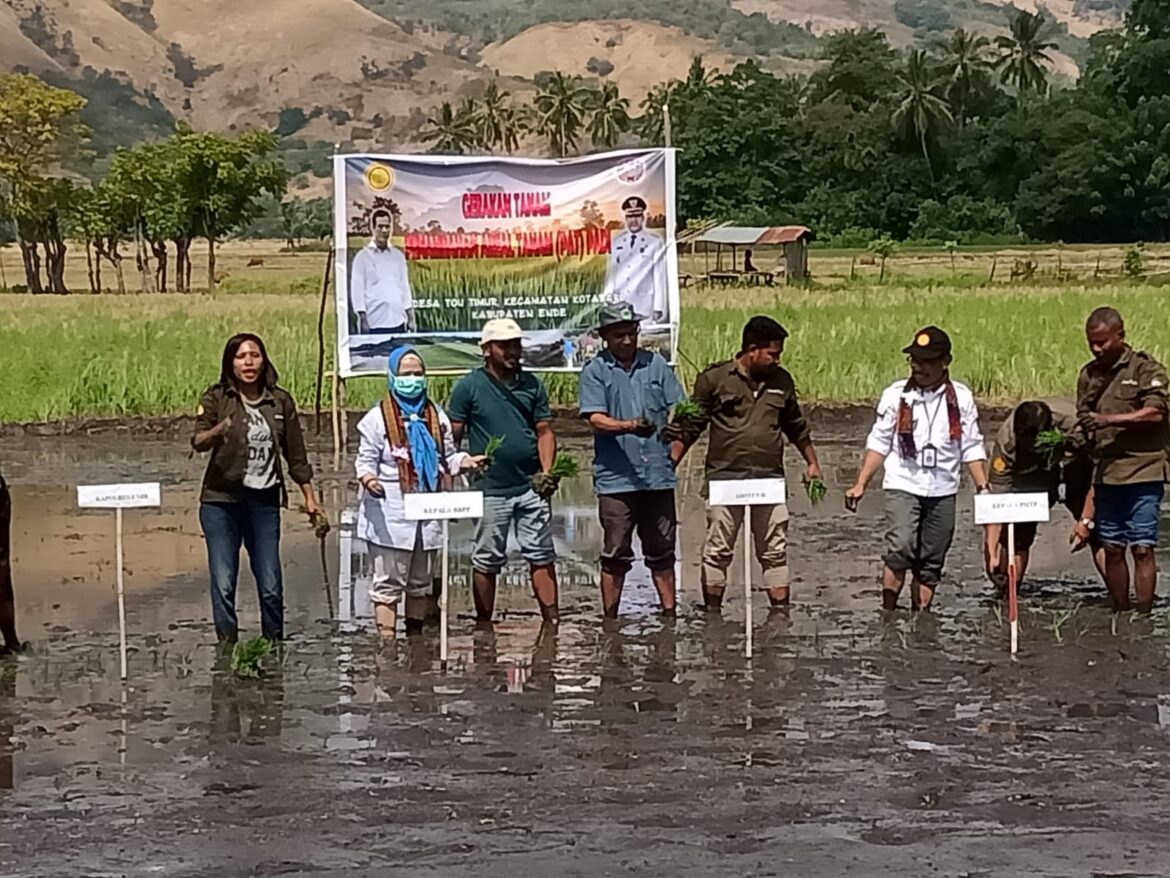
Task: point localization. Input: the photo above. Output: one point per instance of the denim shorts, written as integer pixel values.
(532, 519)
(1127, 515)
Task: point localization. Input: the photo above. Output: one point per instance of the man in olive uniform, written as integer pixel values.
(1020, 463)
(1122, 405)
(751, 406)
(637, 266)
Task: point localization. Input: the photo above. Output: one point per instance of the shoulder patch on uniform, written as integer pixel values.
(199, 411)
(999, 465)
(1157, 382)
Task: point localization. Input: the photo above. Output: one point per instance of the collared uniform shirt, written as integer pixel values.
(379, 285)
(627, 462)
(1133, 453)
(637, 273)
(931, 427)
(749, 421)
(1007, 472)
(382, 520)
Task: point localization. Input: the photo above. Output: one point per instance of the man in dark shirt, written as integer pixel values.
(1122, 406)
(502, 400)
(750, 404)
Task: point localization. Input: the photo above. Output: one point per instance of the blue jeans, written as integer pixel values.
(1127, 515)
(253, 521)
(532, 518)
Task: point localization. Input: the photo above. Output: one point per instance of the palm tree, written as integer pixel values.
(922, 113)
(609, 115)
(449, 131)
(966, 62)
(491, 111)
(1023, 56)
(561, 108)
(650, 125)
(513, 125)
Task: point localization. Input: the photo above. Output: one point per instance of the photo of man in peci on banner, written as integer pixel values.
(432, 247)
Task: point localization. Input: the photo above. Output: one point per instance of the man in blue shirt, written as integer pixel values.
(626, 395)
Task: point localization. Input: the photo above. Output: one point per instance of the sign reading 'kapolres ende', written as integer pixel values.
(431, 247)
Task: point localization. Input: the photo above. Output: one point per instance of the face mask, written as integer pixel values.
(410, 386)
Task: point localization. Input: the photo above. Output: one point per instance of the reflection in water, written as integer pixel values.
(846, 724)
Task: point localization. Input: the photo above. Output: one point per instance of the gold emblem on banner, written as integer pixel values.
(379, 177)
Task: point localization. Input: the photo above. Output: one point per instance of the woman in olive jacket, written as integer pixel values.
(247, 422)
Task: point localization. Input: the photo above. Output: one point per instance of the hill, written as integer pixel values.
(368, 72)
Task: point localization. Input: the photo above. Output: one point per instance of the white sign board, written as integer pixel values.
(447, 505)
(1011, 508)
(132, 496)
(747, 492)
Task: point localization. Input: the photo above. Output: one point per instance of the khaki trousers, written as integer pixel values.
(769, 526)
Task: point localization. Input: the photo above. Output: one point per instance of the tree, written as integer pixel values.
(922, 114)
(1023, 54)
(860, 68)
(884, 247)
(222, 179)
(561, 107)
(649, 126)
(450, 132)
(499, 124)
(609, 116)
(966, 63)
(40, 130)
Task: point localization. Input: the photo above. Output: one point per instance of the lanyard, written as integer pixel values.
(930, 419)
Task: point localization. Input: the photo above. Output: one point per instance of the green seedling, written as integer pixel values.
(1050, 443)
(816, 490)
(1059, 619)
(248, 656)
(564, 466)
(494, 444)
(687, 410)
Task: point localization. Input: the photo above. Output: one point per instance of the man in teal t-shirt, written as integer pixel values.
(501, 400)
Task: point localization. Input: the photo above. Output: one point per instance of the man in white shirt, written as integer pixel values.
(926, 429)
(379, 286)
(637, 266)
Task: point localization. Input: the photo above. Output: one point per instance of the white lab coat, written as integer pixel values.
(637, 273)
(382, 520)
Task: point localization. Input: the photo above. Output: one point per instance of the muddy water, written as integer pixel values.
(852, 742)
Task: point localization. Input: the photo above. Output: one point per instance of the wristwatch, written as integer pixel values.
(1088, 523)
(982, 489)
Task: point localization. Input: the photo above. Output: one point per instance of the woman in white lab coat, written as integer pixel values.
(405, 445)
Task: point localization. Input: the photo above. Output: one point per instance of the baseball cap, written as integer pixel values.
(501, 329)
(929, 343)
(617, 312)
(634, 204)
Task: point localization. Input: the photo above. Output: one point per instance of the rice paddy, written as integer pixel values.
(114, 356)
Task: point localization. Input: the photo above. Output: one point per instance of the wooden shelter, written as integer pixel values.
(793, 240)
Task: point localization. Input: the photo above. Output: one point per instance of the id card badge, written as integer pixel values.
(929, 457)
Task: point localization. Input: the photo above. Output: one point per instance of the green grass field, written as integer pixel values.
(97, 356)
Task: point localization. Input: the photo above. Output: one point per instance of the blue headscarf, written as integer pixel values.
(424, 451)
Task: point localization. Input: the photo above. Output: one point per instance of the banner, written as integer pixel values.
(431, 247)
